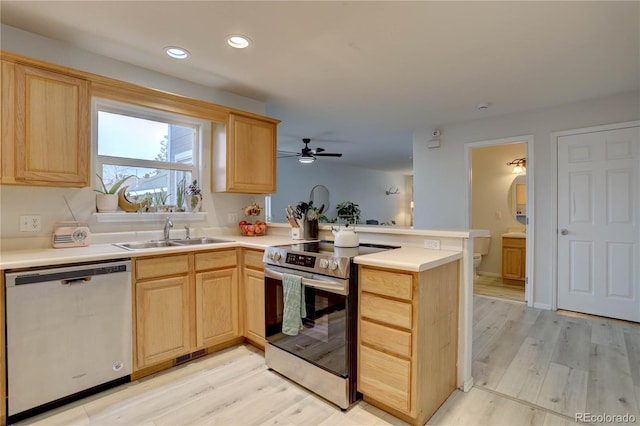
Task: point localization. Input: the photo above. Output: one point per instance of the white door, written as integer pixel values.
(598, 230)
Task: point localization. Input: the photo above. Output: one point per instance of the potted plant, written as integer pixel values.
(107, 199)
(181, 190)
(194, 197)
(160, 201)
(349, 211)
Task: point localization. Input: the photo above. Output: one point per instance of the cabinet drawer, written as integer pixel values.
(253, 259)
(385, 378)
(386, 311)
(216, 259)
(388, 339)
(514, 242)
(386, 283)
(162, 266)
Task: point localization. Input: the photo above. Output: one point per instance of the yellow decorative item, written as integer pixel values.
(252, 210)
(126, 205)
(252, 229)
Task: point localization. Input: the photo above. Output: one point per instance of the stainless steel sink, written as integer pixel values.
(141, 245)
(204, 240)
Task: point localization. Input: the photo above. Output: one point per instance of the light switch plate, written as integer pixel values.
(232, 218)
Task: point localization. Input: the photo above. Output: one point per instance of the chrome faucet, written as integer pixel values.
(188, 232)
(167, 226)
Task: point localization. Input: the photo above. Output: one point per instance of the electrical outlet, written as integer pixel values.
(432, 244)
(232, 218)
(30, 223)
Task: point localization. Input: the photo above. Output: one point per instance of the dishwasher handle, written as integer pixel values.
(73, 281)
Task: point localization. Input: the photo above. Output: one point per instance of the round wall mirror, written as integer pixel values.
(518, 198)
(320, 195)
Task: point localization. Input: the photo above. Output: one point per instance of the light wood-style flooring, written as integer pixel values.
(484, 285)
(531, 367)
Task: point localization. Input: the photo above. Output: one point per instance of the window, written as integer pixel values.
(159, 150)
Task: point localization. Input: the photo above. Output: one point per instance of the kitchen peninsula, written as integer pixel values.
(456, 248)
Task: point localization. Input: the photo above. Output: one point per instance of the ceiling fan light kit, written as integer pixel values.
(306, 159)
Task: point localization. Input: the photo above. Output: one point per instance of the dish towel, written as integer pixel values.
(294, 304)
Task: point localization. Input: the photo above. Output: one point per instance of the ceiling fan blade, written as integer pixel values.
(329, 154)
(285, 154)
(317, 150)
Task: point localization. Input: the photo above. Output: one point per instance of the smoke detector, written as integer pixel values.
(482, 106)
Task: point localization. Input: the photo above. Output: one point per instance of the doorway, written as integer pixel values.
(501, 201)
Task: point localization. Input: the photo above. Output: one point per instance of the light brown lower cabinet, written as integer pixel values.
(253, 289)
(216, 307)
(162, 319)
(514, 259)
(407, 339)
(184, 303)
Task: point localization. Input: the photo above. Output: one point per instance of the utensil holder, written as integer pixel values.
(311, 229)
(296, 233)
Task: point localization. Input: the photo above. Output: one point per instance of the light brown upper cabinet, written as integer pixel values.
(45, 127)
(244, 159)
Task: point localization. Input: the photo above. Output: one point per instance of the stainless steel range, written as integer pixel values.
(322, 355)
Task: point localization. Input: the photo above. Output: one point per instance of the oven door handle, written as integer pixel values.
(328, 284)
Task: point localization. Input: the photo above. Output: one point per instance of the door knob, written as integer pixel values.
(564, 231)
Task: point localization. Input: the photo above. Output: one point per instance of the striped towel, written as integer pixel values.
(294, 304)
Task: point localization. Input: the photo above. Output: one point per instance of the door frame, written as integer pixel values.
(530, 245)
(554, 193)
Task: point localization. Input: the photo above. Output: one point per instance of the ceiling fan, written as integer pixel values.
(308, 155)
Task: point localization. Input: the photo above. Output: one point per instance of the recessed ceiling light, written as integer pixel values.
(238, 41)
(176, 52)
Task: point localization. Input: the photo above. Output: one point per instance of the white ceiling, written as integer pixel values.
(359, 77)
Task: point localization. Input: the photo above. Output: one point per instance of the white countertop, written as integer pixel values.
(44, 257)
(408, 258)
(414, 259)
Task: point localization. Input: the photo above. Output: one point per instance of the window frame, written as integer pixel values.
(202, 131)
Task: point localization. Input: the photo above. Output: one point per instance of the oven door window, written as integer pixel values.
(323, 337)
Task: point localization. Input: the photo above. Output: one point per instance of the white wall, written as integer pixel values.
(490, 186)
(49, 202)
(365, 187)
(440, 177)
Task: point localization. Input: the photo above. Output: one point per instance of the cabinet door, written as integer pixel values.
(162, 320)
(254, 306)
(216, 307)
(385, 378)
(512, 264)
(251, 165)
(52, 128)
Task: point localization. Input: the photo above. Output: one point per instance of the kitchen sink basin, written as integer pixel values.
(204, 240)
(141, 245)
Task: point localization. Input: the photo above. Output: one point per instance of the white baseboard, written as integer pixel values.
(545, 306)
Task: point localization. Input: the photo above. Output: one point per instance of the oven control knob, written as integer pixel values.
(333, 265)
(324, 263)
(274, 255)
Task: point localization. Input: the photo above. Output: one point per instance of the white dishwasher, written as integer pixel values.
(68, 331)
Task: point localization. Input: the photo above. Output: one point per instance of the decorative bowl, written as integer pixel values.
(253, 230)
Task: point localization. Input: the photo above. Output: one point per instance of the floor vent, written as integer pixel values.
(188, 357)
(183, 358)
(198, 354)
